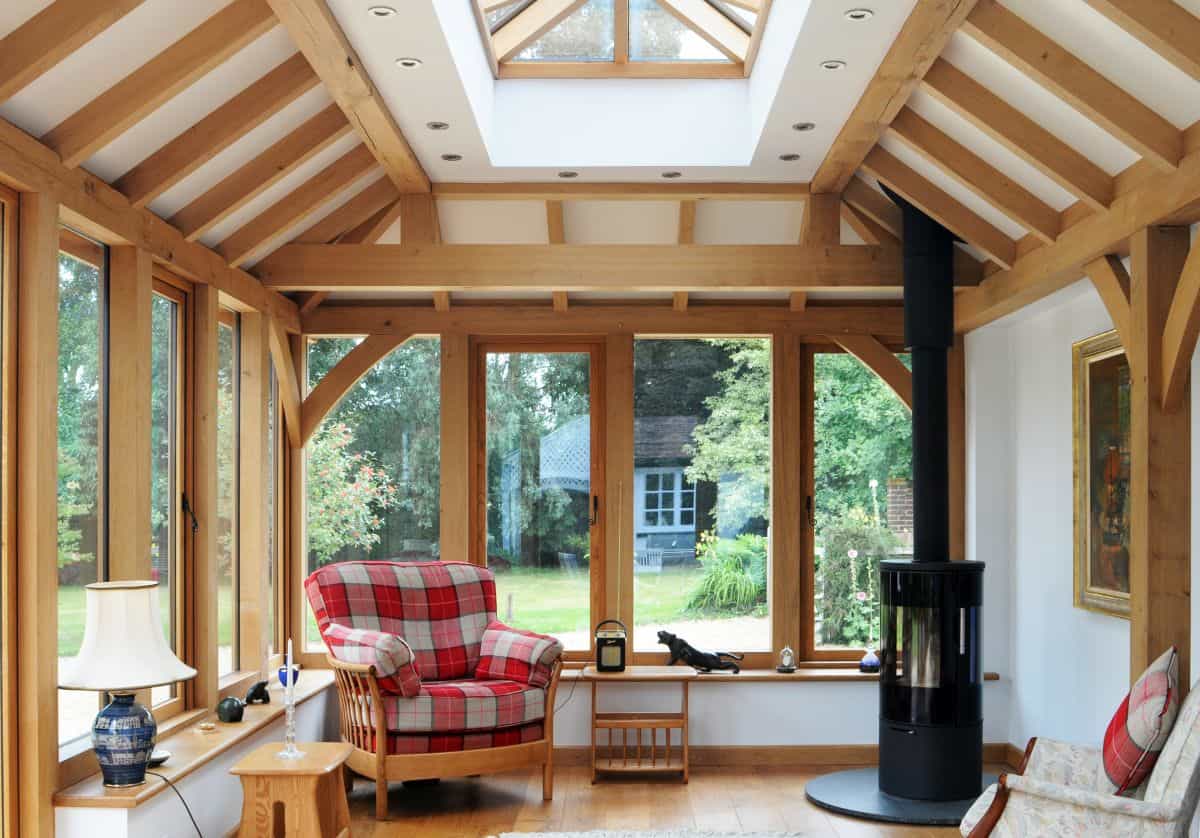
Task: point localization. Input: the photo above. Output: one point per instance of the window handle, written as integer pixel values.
(808, 510)
(595, 510)
(187, 510)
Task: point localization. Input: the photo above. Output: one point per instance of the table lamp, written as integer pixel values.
(124, 650)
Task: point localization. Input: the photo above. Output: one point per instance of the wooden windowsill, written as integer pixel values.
(829, 674)
(191, 749)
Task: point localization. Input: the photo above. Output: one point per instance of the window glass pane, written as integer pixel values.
(373, 467)
(539, 491)
(863, 474)
(81, 287)
(164, 466)
(657, 35)
(585, 35)
(227, 497)
(498, 17)
(702, 419)
(272, 468)
(742, 17)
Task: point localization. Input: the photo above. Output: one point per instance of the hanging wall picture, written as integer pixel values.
(1101, 428)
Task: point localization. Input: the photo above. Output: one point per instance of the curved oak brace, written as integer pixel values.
(1180, 332)
(285, 374)
(877, 357)
(344, 375)
(1111, 281)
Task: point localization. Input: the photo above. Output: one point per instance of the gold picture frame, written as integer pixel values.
(1100, 387)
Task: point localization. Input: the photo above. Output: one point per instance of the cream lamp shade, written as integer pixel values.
(123, 644)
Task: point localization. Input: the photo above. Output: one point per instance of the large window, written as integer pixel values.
(373, 474)
(863, 512)
(702, 503)
(166, 462)
(81, 468)
(228, 416)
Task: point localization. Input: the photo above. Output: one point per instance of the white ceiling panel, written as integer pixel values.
(13, 13)
(621, 222)
(748, 222)
(492, 222)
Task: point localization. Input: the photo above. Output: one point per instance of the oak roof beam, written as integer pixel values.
(1166, 27)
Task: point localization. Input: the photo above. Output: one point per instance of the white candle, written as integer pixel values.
(290, 685)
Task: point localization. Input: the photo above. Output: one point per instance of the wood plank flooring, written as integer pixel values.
(733, 799)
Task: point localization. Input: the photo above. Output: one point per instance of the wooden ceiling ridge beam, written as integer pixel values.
(941, 207)
(921, 40)
(573, 267)
(1047, 269)
(94, 207)
(1059, 71)
(237, 189)
(143, 91)
(317, 34)
(530, 24)
(711, 25)
(1059, 161)
(1166, 27)
(977, 175)
(631, 191)
(216, 132)
(58, 30)
(300, 202)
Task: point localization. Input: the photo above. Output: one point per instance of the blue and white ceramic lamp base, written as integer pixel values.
(123, 736)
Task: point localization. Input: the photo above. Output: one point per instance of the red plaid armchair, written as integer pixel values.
(424, 667)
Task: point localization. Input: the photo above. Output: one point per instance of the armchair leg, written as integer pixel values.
(548, 779)
(381, 798)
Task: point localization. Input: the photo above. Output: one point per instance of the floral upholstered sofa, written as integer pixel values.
(423, 666)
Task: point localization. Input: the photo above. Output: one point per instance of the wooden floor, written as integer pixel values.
(727, 799)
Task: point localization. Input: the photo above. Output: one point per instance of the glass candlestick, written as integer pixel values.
(290, 751)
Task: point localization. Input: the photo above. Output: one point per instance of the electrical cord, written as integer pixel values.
(186, 808)
(570, 695)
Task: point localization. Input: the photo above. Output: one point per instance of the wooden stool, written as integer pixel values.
(299, 798)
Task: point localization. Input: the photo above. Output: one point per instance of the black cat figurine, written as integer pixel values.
(681, 650)
(258, 694)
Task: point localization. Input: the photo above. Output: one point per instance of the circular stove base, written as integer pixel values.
(856, 793)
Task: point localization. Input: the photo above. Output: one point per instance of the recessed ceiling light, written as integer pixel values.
(790, 157)
(833, 64)
(381, 11)
(408, 63)
(804, 126)
(672, 175)
(437, 126)
(567, 175)
(858, 15)
(452, 158)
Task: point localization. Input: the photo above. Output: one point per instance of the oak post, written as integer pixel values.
(204, 499)
(455, 536)
(618, 470)
(255, 635)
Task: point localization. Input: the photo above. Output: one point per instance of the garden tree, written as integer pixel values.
(78, 417)
(347, 494)
(161, 328)
(227, 441)
(675, 377)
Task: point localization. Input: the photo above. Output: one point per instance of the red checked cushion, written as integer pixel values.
(1139, 730)
(440, 609)
(513, 655)
(462, 706)
(441, 743)
(390, 655)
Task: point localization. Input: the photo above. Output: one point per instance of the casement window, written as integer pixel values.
(667, 500)
(228, 491)
(8, 265)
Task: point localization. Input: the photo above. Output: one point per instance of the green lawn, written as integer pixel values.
(72, 613)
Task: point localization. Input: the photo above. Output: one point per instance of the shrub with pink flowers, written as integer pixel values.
(347, 492)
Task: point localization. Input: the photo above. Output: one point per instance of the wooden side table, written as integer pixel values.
(306, 794)
(641, 757)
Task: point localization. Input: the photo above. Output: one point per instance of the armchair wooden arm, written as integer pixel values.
(992, 816)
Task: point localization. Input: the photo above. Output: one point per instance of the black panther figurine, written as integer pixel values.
(681, 650)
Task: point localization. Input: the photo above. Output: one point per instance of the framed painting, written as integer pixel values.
(1101, 385)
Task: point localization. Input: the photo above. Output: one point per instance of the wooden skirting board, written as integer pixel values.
(994, 753)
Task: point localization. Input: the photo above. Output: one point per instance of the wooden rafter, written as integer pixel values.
(1166, 27)
(304, 199)
(51, 35)
(867, 229)
(334, 385)
(573, 267)
(1019, 134)
(372, 230)
(308, 302)
(530, 24)
(556, 230)
(940, 206)
(664, 191)
(1180, 333)
(919, 43)
(358, 210)
(1111, 281)
(687, 223)
(1047, 269)
(315, 31)
(217, 131)
(976, 174)
(1109, 106)
(718, 30)
(269, 167)
(110, 114)
(882, 361)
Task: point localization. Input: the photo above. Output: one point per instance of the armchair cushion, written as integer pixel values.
(1139, 730)
(389, 654)
(464, 706)
(1063, 763)
(513, 655)
(444, 743)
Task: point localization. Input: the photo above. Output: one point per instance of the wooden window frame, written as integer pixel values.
(480, 347)
(9, 787)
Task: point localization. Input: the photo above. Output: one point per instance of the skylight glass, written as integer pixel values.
(586, 35)
(746, 19)
(498, 17)
(657, 35)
